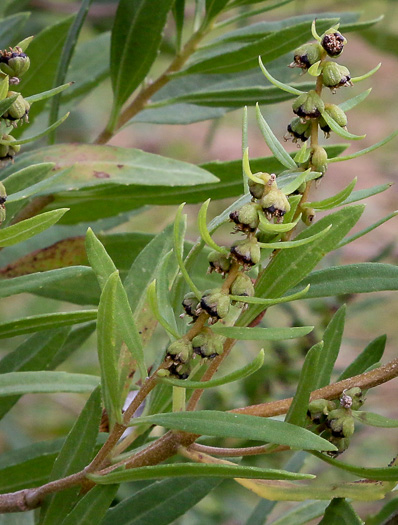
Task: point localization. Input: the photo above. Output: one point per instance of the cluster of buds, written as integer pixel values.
(14, 63)
(333, 420)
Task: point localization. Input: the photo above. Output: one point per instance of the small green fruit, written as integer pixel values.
(218, 263)
(306, 55)
(246, 252)
(208, 345)
(319, 159)
(216, 304)
(337, 114)
(180, 351)
(246, 219)
(275, 204)
(190, 304)
(298, 131)
(334, 76)
(14, 63)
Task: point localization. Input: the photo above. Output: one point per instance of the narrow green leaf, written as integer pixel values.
(249, 13)
(24, 44)
(244, 149)
(378, 473)
(246, 371)
(368, 192)
(301, 176)
(172, 501)
(74, 341)
(92, 507)
(47, 131)
(307, 383)
(36, 353)
(334, 201)
(277, 83)
(75, 454)
(316, 69)
(11, 26)
(302, 514)
(228, 424)
(363, 232)
(179, 16)
(204, 232)
(179, 231)
(281, 275)
(48, 94)
(340, 512)
(366, 150)
(26, 177)
(303, 155)
(37, 323)
(338, 129)
(66, 56)
(261, 334)
(369, 356)
(246, 167)
(354, 80)
(332, 341)
(107, 348)
(388, 510)
(136, 37)
(354, 101)
(283, 245)
(194, 469)
(269, 227)
(167, 272)
(314, 31)
(19, 383)
(99, 259)
(214, 7)
(29, 227)
(351, 278)
(153, 303)
(273, 143)
(374, 420)
(270, 302)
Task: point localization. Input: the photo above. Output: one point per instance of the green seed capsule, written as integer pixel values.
(333, 42)
(8, 151)
(341, 423)
(335, 76)
(208, 345)
(308, 216)
(341, 443)
(319, 409)
(14, 63)
(219, 263)
(181, 370)
(337, 114)
(180, 351)
(246, 252)
(19, 109)
(319, 159)
(216, 304)
(190, 304)
(246, 219)
(308, 105)
(298, 131)
(306, 55)
(275, 204)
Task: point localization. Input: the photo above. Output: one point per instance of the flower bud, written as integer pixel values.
(208, 345)
(319, 159)
(256, 188)
(181, 370)
(242, 286)
(335, 76)
(19, 109)
(190, 304)
(8, 151)
(337, 114)
(246, 252)
(14, 62)
(353, 397)
(341, 443)
(308, 105)
(319, 409)
(275, 204)
(218, 263)
(308, 216)
(340, 423)
(298, 131)
(333, 42)
(216, 304)
(306, 55)
(180, 351)
(246, 219)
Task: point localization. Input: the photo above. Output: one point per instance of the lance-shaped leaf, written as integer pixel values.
(354, 101)
(29, 227)
(277, 83)
(269, 227)
(75, 454)
(307, 383)
(332, 341)
(316, 69)
(48, 94)
(204, 232)
(314, 31)
(377, 473)
(303, 155)
(136, 36)
(227, 424)
(371, 355)
(354, 80)
(107, 344)
(261, 334)
(334, 201)
(273, 143)
(300, 178)
(172, 501)
(178, 231)
(340, 512)
(168, 268)
(363, 232)
(245, 141)
(39, 135)
(103, 267)
(270, 302)
(246, 371)
(283, 245)
(91, 508)
(249, 13)
(366, 150)
(374, 420)
(19, 383)
(246, 167)
(153, 303)
(341, 132)
(367, 192)
(301, 514)
(37, 323)
(194, 469)
(26, 177)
